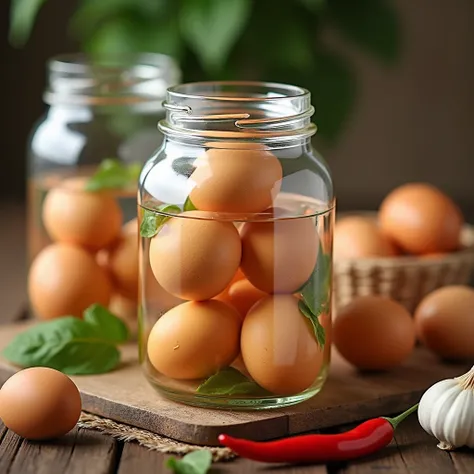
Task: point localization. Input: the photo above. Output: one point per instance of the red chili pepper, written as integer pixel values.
(365, 439)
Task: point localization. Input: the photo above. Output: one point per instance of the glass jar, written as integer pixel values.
(236, 213)
(84, 155)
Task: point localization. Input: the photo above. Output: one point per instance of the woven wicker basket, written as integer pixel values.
(406, 279)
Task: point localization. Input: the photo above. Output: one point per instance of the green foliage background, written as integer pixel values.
(275, 40)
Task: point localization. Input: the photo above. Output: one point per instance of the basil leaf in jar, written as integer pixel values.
(113, 174)
(188, 205)
(319, 330)
(316, 291)
(197, 462)
(151, 221)
(229, 381)
(316, 295)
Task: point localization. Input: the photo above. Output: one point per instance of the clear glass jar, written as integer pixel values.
(101, 116)
(236, 213)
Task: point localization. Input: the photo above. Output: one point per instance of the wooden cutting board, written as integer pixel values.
(348, 396)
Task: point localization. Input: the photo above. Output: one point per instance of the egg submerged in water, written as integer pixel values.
(279, 347)
(239, 178)
(195, 257)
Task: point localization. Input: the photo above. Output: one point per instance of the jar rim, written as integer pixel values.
(292, 91)
(238, 110)
(82, 62)
(125, 79)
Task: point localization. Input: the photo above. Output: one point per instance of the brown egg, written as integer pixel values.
(73, 215)
(279, 256)
(235, 180)
(65, 280)
(131, 227)
(374, 333)
(122, 264)
(126, 310)
(360, 237)
(242, 295)
(445, 322)
(420, 219)
(40, 403)
(279, 347)
(195, 339)
(194, 258)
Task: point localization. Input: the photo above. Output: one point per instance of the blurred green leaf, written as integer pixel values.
(315, 5)
(372, 24)
(294, 47)
(22, 18)
(212, 27)
(91, 13)
(129, 34)
(332, 87)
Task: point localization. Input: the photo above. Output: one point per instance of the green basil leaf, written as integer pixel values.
(112, 174)
(110, 327)
(151, 221)
(68, 344)
(212, 27)
(314, 6)
(229, 381)
(372, 24)
(22, 18)
(319, 331)
(188, 205)
(196, 462)
(90, 14)
(333, 87)
(316, 292)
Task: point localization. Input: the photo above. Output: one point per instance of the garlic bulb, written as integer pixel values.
(446, 411)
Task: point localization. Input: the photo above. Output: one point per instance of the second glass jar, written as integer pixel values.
(236, 213)
(84, 158)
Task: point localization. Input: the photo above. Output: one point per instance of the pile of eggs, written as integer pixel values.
(374, 332)
(238, 282)
(413, 219)
(92, 257)
(377, 333)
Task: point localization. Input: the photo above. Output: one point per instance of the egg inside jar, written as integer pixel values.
(237, 234)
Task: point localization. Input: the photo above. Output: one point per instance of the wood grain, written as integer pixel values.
(79, 452)
(463, 460)
(137, 459)
(349, 396)
(9, 447)
(419, 451)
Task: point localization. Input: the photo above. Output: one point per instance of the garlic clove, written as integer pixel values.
(446, 411)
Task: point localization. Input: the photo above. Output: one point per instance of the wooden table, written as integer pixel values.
(85, 451)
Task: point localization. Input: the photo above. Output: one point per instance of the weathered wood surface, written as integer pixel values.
(124, 395)
(81, 451)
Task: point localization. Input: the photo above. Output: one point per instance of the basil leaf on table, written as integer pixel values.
(112, 174)
(229, 381)
(71, 345)
(196, 462)
(105, 323)
(151, 222)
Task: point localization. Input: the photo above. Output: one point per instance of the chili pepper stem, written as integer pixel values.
(398, 419)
